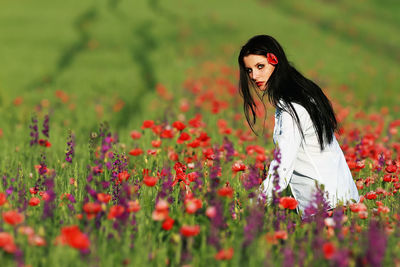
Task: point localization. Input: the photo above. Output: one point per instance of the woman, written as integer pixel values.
(304, 125)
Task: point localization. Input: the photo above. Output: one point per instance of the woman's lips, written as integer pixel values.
(259, 83)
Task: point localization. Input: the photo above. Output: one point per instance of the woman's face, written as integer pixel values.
(258, 69)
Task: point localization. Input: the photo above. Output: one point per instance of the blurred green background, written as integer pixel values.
(101, 52)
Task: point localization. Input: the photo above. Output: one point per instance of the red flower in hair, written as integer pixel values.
(272, 59)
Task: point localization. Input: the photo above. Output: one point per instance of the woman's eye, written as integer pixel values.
(260, 66)
(248, 70)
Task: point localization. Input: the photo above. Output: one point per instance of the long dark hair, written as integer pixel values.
(287, 85)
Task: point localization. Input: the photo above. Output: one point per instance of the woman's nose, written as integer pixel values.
(254, 75)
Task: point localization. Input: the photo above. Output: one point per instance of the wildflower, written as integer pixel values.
(115, 212)
(161, 211)
(102, 197)
(180, 174)
(188, 230)
(167, 133)
(133, 206)
(72, 236)
(34, 131)
(226, 191)
(3, 199)
(370, 195)
(45, 130)
(168, 224)
(192, 205)
(288, 203)
(211, 212)
(7, 242)
(357, 207)
(238, 166)
(224, 254)
(13, 217)
(91, 209)
(34, 201)
(183, 138)
(123, 176)
(136, 152)
(70, 147)
(43, 142)
(254, 224)
(329, 250)
(148, 180)
(230, 151)
(281, 234)
(156, 143)
(391, 168)
(377, 244)
(179, 125)
(135, 134)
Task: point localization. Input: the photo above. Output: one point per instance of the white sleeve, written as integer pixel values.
(287, 140)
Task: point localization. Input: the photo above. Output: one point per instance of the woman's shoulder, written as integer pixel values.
(300, 110)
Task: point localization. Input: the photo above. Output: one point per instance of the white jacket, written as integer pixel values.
(303, 163)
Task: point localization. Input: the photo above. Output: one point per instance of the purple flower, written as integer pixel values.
(70, 147)
(46, 130)
(230, 151)
(34, 131)
(288, 257)
(254, 224)
(276, 189)
(377, 242)
(252, 180)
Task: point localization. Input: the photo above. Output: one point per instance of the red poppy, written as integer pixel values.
(224, 254)
(123, 176)
(91, 209)
(135, 134)
(156, 143)
(329, 250)
(3, 199)
(196, 121)
(357, 207)
(72, 236)
(115, 211)
(133, 206)
(7, 242)
(167, 133)
(44, 143)
(147, 124)
(102, 197)
(192, 176)
(226, 191)
(211, 212)
(148, 180)
(238, 166)
(34, 201)
(192, 205)
(288, 203)
(183, 138)
(136, 152)
(33, 190)
(272, 59)
(281, 234)
(161, 211)
(13, 217)
(168, 223)
(179, 125)
(370, 195)
(391, 168)
(188, 230)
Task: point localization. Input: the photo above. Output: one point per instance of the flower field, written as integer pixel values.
(181, 189)
(123, 140)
